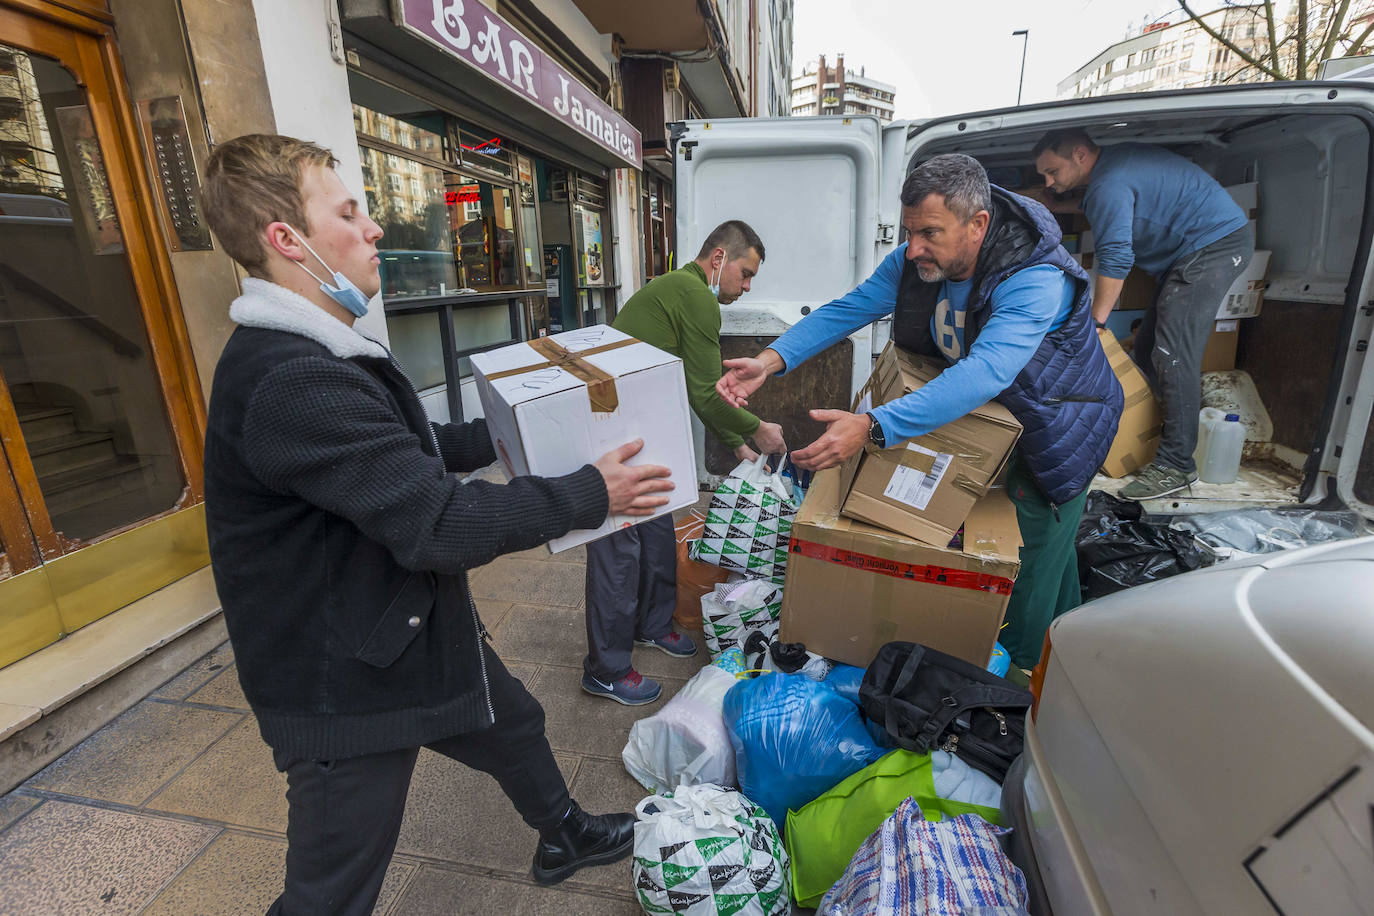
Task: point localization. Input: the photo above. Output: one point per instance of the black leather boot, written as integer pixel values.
(582, 839)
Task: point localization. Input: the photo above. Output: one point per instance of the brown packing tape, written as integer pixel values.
(600, 384)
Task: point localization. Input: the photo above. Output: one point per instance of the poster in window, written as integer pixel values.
(91, 195)
(591, 266)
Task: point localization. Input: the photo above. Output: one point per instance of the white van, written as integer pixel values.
(822, 192)
(1203, 744)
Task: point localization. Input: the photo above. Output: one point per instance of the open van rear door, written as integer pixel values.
(1315, 181)
(813, 190)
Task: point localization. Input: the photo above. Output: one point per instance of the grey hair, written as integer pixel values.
(959, 179)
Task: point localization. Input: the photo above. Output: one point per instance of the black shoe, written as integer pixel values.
(582, 839)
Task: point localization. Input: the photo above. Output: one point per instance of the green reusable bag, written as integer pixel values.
(823, 836)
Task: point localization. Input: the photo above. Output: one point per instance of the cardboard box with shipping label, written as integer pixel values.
(1246, 295)
(1137, 435)
(556, 403)
(851, 587)
(925, 488)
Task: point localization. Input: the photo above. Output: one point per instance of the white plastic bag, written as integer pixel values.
(686, 741)
(707, 851)
(734, 610)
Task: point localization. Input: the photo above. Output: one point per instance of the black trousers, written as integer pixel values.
(344, 816)
(631, 593)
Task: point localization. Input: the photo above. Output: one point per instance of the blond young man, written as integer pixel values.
(340, 536)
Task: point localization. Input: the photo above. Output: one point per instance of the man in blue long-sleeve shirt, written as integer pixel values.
(1153, 208)
(983, 282)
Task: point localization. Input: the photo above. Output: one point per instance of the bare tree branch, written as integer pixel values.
(1333, 29)
(1273, 38)
(1354, 47)
(1227, 43)
(1302, 41)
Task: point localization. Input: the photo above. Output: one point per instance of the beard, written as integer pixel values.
(932, 273)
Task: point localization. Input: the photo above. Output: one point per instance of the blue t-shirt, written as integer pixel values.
(1025, 307)
(1150, 207)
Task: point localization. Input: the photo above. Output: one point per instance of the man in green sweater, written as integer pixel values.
(632, 574)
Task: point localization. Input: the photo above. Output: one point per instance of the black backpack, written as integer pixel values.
(928, 701)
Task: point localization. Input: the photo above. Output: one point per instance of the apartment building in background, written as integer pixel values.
(825, 90)
(1174, 55)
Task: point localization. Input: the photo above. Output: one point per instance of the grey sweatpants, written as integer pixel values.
(1168, 348)
(631, 594)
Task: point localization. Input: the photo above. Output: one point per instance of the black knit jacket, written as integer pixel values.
(340, 537)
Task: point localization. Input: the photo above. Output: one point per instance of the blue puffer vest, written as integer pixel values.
(1066, 398)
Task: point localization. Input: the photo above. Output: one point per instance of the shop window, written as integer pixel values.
(417, 244)
(412, 133)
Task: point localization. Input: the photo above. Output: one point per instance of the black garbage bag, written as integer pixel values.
(1118, 547)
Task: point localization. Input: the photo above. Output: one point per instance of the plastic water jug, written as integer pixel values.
(1225, 441)
(1204, 427)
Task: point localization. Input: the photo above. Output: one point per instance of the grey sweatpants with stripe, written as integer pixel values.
(631, 594)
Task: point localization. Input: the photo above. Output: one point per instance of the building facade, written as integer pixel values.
(836, 90)
(1174, 55)
(520, 192)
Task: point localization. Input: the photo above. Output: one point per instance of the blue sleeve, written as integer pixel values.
(1025, 307)
(838, 318)
(1110, 208)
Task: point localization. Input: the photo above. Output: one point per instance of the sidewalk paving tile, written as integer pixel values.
(529, 582)
(492, 612)
(543, 635)
(130, 759)
(222, 690)
(234, 782)
(579, 723)
(458, 814)
(67, 859)
(196, 676)
(13, 807)
(603, 786)
(657, 664)
(441, 892)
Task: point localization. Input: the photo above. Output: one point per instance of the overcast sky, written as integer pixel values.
(949, 57)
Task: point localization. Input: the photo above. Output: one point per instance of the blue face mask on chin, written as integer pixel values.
(344, 291)
(714, 286)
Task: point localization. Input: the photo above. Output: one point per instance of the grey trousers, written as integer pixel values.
(1172, 336)
(631, 593)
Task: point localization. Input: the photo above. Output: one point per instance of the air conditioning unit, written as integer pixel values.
(672, 77)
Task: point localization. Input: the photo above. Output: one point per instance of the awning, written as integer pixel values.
(480, 54)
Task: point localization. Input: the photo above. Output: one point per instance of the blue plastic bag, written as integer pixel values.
(794, 739)
(1000, 663)
(845, 680)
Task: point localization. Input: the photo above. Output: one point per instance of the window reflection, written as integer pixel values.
(406, 198)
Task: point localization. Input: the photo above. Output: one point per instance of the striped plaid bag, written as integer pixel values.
(910, 866)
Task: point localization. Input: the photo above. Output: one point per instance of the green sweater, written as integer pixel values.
(677, 313)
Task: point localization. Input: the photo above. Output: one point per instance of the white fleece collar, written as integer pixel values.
(266, 305)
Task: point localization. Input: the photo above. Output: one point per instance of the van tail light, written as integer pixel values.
(1037, 678)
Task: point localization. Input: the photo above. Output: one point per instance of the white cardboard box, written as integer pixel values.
(543, 422)
(1246, 295)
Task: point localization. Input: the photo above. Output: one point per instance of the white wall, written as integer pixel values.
(566, 17)
(309, 91)
(628, 224)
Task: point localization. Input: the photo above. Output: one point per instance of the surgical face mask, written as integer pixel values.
(714, 285)
(344, 291)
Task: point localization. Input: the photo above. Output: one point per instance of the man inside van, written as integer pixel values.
(340, 536)
(1154, 209)
(632, 574)
(983, 283)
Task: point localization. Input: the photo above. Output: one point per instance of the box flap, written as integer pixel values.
(991, 530)
(521, 373)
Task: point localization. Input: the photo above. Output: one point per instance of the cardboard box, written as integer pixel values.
(1220, 354)
(926, 487)
(852, 587)
(1137, 435)
(556, 403)
(1246, 295)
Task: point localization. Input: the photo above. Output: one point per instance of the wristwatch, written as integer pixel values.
(875, 432)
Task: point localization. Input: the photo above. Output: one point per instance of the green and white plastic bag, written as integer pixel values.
(708, 851)
(749, 522)
(733, 610)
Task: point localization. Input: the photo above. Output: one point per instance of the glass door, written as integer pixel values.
(91, 445)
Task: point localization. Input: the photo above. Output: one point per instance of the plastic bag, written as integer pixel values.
(1119, 548)
(685, 742)
(793, 738)
(824, 834)
(736, 609)
(748, 522)
(707, 851)
(910, 867)
(694, 579)
(1246, 532)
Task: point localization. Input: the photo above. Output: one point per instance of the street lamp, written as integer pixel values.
(1025, 40)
